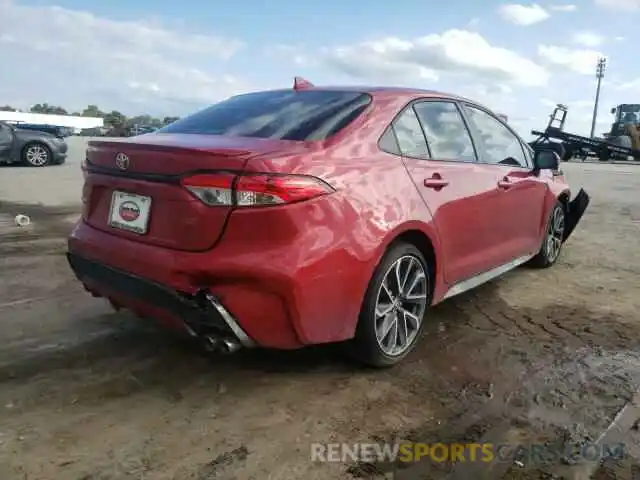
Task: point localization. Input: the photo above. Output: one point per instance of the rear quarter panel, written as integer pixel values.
(25, 137)
(375, 202)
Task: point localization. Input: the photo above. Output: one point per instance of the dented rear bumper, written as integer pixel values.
(575, 211)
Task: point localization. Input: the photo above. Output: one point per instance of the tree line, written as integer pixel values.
(112, 119)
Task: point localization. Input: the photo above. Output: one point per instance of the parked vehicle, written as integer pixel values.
(93, 132)
(311, 215)
(31, 147)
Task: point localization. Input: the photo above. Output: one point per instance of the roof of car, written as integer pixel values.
(386, 90)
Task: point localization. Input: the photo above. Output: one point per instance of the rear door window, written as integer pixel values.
(280, 114)
(447, 134)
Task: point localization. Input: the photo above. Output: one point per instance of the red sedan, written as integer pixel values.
(312, 215)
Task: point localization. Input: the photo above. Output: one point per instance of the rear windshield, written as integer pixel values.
(282, 114)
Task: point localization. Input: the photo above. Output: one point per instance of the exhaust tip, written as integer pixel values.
(211, 344)
(230, 345)
(216, 344)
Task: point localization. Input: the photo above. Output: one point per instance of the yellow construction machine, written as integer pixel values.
(625, 129)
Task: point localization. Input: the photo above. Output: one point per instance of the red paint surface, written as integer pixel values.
(296, 274)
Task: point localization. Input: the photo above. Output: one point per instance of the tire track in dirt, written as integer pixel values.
(556, 332)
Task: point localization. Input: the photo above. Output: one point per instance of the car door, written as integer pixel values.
(520, 205)
(6, 141)
(440, 157)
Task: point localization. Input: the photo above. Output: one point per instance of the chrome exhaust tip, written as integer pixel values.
(229, 345)
(215, 344)
(211, 344)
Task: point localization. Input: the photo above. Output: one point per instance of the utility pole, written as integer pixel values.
(600, 68)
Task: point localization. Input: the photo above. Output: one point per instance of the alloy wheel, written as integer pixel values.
(400, 305)
(37, 155)
(555, 234)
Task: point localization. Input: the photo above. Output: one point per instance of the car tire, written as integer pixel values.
(553, 238)
(36, 154)
(404, 308)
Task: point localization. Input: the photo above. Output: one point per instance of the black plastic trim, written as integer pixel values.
(190, 309)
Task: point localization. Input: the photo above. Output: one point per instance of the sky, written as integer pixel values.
(173, 57)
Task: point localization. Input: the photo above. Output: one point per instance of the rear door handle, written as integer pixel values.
(505, 183)
(435, 182)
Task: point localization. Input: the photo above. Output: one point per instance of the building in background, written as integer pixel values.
(75, 123)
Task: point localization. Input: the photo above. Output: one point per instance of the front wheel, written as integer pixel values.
(36, 155)
(553, 239)
(392, 313)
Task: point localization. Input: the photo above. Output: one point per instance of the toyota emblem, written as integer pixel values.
(122, 161)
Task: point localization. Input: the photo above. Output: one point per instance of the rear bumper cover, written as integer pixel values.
(576, 210)
(59, 157)
(202, 313)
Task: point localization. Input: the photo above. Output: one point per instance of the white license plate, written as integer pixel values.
(130, 212)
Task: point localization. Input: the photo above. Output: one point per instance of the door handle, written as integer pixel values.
(505, 183)
(436, 181)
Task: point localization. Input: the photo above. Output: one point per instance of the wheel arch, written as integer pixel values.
(425, 239)
(563, 197)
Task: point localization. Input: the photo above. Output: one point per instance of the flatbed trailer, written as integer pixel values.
(568, 145)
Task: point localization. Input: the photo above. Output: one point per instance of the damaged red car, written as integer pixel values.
(286, 218)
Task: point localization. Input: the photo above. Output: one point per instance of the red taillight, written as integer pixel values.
(212, 189)
(253, 190)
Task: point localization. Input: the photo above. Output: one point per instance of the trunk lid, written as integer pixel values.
(140, 196)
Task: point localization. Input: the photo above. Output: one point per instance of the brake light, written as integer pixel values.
(254, 190)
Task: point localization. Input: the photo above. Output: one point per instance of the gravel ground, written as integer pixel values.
(86, 393)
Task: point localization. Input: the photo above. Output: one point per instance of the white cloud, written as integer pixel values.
(630, 85)
(563, 8)
(458, 52)
(293, 53)
(496, 96)
(580, 61)
(588, 39)
(83, 58)
(523, 14)
(621, 5)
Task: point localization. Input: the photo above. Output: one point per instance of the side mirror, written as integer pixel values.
(613, 110)
(546, 160)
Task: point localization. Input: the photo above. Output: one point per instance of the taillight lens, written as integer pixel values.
(254, 190)
(212, 189)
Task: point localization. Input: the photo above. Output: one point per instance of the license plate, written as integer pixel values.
(130, 212)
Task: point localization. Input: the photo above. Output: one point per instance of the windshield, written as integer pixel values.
(282, 114)
(628, 113)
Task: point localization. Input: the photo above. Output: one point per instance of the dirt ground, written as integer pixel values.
(537, 356)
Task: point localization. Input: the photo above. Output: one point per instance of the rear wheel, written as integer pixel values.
(392, 314)
(553, 239)
(36, 155)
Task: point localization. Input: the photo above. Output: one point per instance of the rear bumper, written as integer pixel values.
(292, 284)
(201, 313)
(59, 159)
(60, 153)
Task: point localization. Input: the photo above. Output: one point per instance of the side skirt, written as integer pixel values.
(481, 278)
